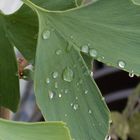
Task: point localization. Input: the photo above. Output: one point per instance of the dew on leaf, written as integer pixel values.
(47, 80)
(131, 74)
(46, 34)
(86, 92)
(56, 85)
(60, 95)
(76, 98)
(68, 74)
(51, 95)
(108, 138)
(55, 75)
(66, 91)
(75, 106)
(121, 64)
(85, 49)
(93, 53)
(66, 115)
(58, 52)
(91, 74)
(89, 111)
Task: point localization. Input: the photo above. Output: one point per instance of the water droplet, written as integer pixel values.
(55, 75)
(71, 37)
(76, 98)
(93, 53)
(67, 74)
(110, 121)
(103, 98)
(91, 74)
(121, 64)
(103, 57)
(89, 111)
(86, 91)
(56, 85)
(75, 106)
(108, 138)
(71, 104)
(131, 74)
(66, 115)
(66, 91)
(46, 34)
(47, 80)
(60, 95)
(85, 49)
(58, 52)
(51, 95)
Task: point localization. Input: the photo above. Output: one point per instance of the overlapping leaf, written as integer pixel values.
(33, 131)
(9, 86)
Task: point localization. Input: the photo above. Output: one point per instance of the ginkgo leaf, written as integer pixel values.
(63, 86)
(110, 28)
(10, 130)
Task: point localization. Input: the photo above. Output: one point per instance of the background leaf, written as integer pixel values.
(33, 131)
(9, 85)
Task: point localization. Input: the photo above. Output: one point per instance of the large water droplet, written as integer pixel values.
(68, 74)
(58, 52)
(131, 74)
(46, 34)
(93, 53)
(75, 106)
(55, 75)
(47, 80)
(51, 95)
(121, 64)
(85, 49)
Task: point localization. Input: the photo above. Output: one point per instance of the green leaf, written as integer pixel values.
(23, 25)
(111, 27)
(63, 86)
(134, 123)
(10, 130)
(120, 125)
(9, 85)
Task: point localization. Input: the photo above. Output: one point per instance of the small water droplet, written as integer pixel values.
(66, 115)
(76, 98)
(121, 64)
(110, 121)
(86, 91)
(46, 34)
(75, 106)
(131, 74)
(108, 138)
(71, 36)
(68, 74)
(85, 49)
(47, 80)
(89, 111)
(60, 95)
(93, 53)
(66, 91)
(56, 85)
(91, 74)
(51, 95)
(58, 52)
(103, 57)
(71, 104)
(55, 75)
(103, 98)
